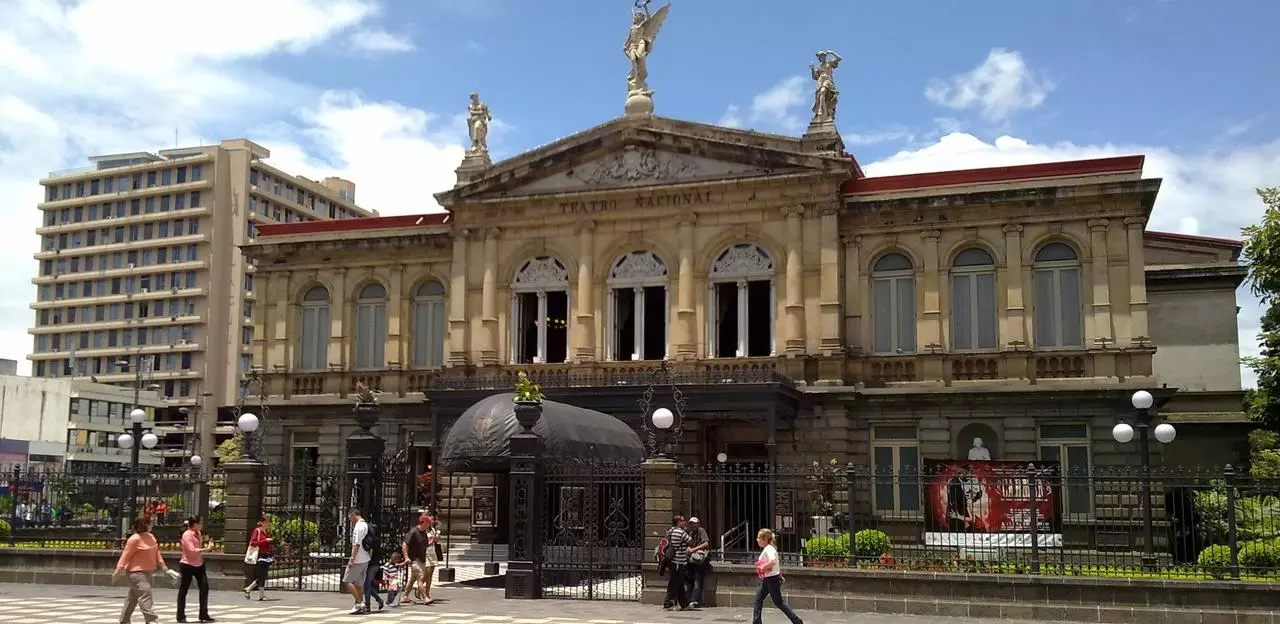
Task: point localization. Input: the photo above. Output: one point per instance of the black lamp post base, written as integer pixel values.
(522, 581)
(447, 575)
(492, 568)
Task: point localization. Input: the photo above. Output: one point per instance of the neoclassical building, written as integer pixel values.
(809, 311)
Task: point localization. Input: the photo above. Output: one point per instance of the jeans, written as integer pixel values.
(371, 586)
(772, 585)
(190, 572)
(258, 576)
(697, 574)
(675, 587)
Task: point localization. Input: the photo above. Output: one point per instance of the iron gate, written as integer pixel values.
(593, 530)
(307, 509)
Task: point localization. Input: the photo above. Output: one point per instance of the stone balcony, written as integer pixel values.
(1009, 368)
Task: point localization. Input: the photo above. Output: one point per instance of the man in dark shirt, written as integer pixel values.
(699, 548)
(414, 549)
(676, 559)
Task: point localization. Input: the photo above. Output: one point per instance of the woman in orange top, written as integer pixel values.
(140, 558)
(192, 567)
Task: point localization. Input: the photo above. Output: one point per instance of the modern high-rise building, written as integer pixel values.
(141, 281)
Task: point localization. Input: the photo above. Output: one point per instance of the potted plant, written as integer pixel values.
(528, 401)
(366, 406)
(821, 499)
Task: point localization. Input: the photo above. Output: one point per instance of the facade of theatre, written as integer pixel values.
(807, 311)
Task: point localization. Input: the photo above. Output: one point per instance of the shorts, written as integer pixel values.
(356, 574)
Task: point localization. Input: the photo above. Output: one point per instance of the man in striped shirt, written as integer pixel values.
(675, 560)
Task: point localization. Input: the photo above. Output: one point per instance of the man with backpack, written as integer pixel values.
(358, 564)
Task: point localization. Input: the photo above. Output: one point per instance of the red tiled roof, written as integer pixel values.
(994, 174)
(1192, 238)
(351, 225)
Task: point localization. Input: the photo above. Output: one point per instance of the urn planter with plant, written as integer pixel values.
(366, 410)
(528, 401)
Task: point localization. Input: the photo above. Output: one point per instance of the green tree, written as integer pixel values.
(1262, 253)
(232, 449)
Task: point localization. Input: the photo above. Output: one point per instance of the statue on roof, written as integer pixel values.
(478, 118)
(825, 96)
(644, 29)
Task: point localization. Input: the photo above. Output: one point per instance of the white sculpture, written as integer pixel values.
(825, 94)
(478, 118)
(644, 29)
(979, 452)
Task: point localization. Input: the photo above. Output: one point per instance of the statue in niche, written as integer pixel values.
(825, 94)
(478, 118)
(644, 29)
(979, 451)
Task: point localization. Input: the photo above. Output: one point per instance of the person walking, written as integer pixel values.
(192, 567)
(139, 560)
(418, 550)
(358, 564)
(260, 544)
(769, 571)
(699, 564)
(675, 557)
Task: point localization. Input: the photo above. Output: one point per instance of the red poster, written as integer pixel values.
(967, 496)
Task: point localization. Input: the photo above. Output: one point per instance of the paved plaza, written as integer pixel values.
(69, 604)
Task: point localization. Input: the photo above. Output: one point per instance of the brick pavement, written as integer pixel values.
(66, 604)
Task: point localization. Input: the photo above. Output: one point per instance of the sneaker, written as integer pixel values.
(693, 605)
(356, 610)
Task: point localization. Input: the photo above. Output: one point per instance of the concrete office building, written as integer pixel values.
(141, 280)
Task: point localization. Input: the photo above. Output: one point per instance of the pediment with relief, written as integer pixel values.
(639, 166)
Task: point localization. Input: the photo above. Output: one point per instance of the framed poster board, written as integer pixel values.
(784, 510)
(484, 506)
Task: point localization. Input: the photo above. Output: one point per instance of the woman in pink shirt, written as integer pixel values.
(192, 567)
(140, 558)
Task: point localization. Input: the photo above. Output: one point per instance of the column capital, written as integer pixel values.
(851, 240)
(397, 267)
(830, 207)
(493, 233)
(1013, 229)
(793, 210)
(687, 218)
(460, 235)
(1135, 222)
(586, 227)
(1098, 224)
(930, 234)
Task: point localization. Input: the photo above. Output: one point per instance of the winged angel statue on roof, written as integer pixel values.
(644, 29)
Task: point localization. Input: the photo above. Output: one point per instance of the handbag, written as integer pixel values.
(439, 552)
(251, 555)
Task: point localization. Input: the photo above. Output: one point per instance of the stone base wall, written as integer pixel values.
(48, 566)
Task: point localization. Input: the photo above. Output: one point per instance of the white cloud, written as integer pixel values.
(378, 40)
(896, 135)
(777, 108)
(1001, 86)
(732, 117)
(1210, 194)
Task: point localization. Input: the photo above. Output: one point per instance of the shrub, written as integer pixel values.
(299, 534)
(822, 546)
(870, 544)
(5, 530)
(1260, 555)
(1215, 561)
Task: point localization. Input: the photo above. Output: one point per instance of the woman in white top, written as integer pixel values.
(769, 570)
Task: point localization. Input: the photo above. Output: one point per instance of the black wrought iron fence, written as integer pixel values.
(995, 517)
(593, 530)
(57, 507)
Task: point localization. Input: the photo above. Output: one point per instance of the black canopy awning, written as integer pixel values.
(480, 439)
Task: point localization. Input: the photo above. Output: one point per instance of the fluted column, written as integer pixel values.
(794, 338)
(686, 333)
(1101, 283)
(396, 329)
(931, 316)
(275, 321)
(1015, 317)
(829, 279)
(339, 302)
(585, 342)
(1134, 228)
(855, 296)
(489, 300)
(458, 343)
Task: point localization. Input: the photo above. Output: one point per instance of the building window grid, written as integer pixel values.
(893, 300)
(1071, 446)
(973, 301)
(895, 461)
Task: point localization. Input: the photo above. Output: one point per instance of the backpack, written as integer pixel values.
(370, 540)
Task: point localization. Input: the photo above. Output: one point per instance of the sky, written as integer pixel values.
(376, 91)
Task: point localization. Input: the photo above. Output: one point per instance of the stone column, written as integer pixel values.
(243, 504)
(396, 322)
(794, 338)
(338, 304)
(263, 316)
(855, 300)
(458, 343)
(585, 343)
(280, 349)
(1015, 323)
(1101, 283)
(686, 334)
(1134, 227)
(931, 315)
(489, 300)
(829, 279)
(661, 482)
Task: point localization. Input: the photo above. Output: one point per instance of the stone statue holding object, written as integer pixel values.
(639, 44)
(478, 118)
(825, 94)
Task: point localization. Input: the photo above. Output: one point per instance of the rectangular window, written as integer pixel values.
(973, 311)
(195, 199)
(1059, 315)
(1069, 446)
(197, 171)
(166, 176)
(894, 314)
(182, 175)
(895, 454)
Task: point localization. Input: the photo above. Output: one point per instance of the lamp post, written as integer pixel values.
(135, 440)
(662, 426)
(1123, 433)
(248, 423)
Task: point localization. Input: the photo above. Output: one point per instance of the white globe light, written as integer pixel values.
(137, 415)
(247, 423)
(149, 440)
(1123, 433)
(663, 418)
(125, 441)
(1165, 433)
(196, 460)
(1142, 400)
(722, 458)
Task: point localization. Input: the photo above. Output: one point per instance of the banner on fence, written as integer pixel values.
(971, 503)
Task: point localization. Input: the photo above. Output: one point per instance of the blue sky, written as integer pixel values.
(375, 90)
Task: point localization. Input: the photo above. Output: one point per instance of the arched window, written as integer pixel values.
(741, 318)
(371, 327)
(893, 301)
(973, 301)
(428, 325)
(637, 313)
(1059, 318)
(314, 331)
(540, 312)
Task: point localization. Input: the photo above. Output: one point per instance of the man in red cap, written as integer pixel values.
(418, 549)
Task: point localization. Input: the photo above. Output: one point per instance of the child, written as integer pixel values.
(392, 572)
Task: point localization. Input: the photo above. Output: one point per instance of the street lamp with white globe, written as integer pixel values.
(1124, 433)
(662, 425)
(134, 439)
